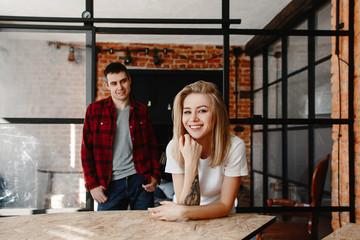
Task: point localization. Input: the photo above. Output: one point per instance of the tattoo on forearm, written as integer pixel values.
(193, 198)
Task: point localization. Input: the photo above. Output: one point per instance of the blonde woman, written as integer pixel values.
(205, 159)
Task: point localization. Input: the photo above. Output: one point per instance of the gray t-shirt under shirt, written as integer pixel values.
(123, 164)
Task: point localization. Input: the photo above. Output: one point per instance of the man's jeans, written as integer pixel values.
(127, 192)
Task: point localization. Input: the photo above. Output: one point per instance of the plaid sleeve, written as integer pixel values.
(153, 150)
(87, 153)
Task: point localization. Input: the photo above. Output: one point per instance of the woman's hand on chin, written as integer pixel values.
(168, 211)
(190, 149)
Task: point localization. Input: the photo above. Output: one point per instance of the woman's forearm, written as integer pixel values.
(190, 194)
(193, 198)
(209, 211)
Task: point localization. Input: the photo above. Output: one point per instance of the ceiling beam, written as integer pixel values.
(295, 12)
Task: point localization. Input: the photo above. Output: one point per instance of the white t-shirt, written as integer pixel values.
(211, 178)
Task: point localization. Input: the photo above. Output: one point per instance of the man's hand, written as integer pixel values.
(151, 186)
(98, 194)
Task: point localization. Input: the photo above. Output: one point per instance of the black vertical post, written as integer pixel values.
(284, 98)
(351, 113)
(265, 126)
(311, 97)
(252, 131)
(89, 5)
(226, 50)
(90, 76)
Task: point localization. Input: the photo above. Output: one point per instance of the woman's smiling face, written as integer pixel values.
(197, 116)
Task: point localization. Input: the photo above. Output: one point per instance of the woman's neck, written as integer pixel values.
(206, 148)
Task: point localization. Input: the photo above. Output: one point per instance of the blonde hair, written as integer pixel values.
(221, 134)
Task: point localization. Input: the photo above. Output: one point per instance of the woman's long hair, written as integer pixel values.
(221, 132)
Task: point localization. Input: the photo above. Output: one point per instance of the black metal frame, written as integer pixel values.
(311, 122)
(225, 31)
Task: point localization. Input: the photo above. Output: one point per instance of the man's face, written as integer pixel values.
(119, 86)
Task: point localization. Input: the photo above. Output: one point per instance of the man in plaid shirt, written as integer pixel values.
(119, 150)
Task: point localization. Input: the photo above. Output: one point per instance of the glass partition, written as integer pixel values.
(42, 75)
(257, 151)
(39, 8)
(258, 190)
(258, 72)
(43, 83)
(298, 96)
(274, 152)
(298, 155)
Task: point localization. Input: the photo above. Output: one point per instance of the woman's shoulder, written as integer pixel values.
(235, 141)
(169, 147)
(237, 145)
(170, 143)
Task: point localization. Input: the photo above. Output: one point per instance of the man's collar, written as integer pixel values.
(110, 103)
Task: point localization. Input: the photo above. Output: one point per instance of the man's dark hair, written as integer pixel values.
(115, 67)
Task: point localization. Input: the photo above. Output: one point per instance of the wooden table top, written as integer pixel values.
(129, 225)
(346, 232)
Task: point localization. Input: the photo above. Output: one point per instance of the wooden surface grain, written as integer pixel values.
(346, 232)
(128, 225)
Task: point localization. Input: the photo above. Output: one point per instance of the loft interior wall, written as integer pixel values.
(75, 198)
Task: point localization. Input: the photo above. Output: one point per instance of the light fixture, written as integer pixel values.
(169, 107)
(277, 54)
(156, 60)
(156, 57)
(71, 57)
(127, 60)
(239, 129)
(149, 103)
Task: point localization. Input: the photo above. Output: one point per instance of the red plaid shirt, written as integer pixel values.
(98, 137)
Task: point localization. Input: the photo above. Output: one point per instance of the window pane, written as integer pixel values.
(257, 151)
(322, 47)
(258, 72)
(297, 50)
(274, 61)
(298, 96)
(39, 8)
(47, 163)
(323, 146)
(274, 102)
(39, 77)
(258, 190)
(258, 103)
(275, 152)
(323, 17)
(294, 192)
(156, 9)
(275, 188)
(297, 53)
(323, 94)
(298, 155)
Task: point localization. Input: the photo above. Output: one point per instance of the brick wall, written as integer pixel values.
(186, 57)
(341, 146)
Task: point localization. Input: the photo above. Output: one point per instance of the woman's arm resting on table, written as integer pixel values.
(169, 211)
